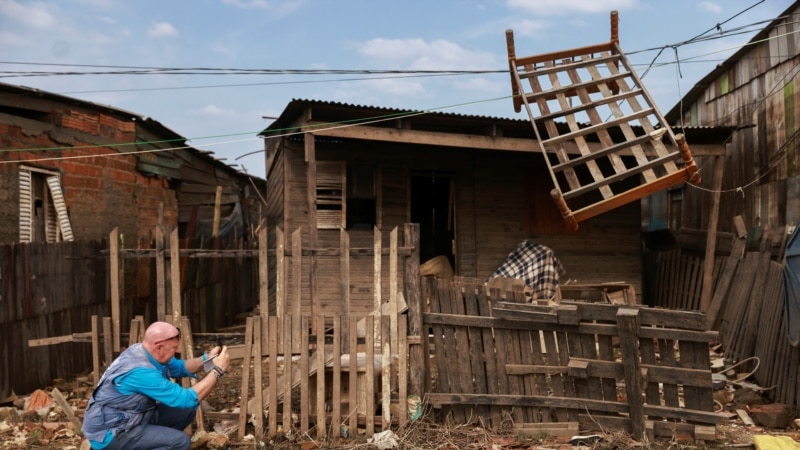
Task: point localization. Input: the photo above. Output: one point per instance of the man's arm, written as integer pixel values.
(193, 365)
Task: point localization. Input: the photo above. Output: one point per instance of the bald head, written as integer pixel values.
(159, 331)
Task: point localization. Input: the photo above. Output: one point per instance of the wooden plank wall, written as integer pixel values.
(548, 365)
(48, 290)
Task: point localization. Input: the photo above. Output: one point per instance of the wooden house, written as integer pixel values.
(477, 186)
(757, 91)
(72, 169)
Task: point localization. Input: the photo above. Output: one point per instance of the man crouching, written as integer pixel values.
(136, 405)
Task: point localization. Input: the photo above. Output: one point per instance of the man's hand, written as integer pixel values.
(224, 359)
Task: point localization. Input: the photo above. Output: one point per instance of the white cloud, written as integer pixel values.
(563, 7)
(527, 27)
(418, 54)
(33, 14)
(213, 111)
(710, 7)
(162, 30)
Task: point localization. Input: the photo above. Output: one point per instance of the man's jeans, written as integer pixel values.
(164, 432)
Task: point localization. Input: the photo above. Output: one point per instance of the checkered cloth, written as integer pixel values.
(535, 264)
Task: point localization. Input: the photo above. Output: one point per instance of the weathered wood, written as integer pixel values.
(258, 373)
(370, 374)
(402, 372)
(297, 273)
(386, 372)
(303, 363)
(263, 280)
(711, 240)
(62, 402)
(319, 353)
(272, 376)
(377, 275)
(628, 323)
(188, 350)
(336, 355)
(352, 394)
(108, 342)
(418, 354)
(95, 349)
(344, 287)
(288, 346)
(217, 212)
(175, 275)
(113, 262)
(161, 276)
(248, 352)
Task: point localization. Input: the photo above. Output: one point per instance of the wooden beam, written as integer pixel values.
(175, 275)
(711, 238)
(113, 241)
(217, 206)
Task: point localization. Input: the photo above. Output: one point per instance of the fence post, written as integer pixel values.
(416, 351)
(628, 326)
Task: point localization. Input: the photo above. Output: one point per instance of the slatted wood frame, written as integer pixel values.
(596, 84)
(620, 367)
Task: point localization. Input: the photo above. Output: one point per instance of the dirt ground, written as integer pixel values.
(50, 427)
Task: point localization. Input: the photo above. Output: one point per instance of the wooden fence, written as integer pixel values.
(568, 367)
(50, 292)
(747, 308)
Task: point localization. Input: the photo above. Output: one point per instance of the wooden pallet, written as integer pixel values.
(611, 145)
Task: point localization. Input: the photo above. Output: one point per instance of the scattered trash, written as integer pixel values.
(414, 407)
(586, 440)
(384, 440)
(768, 442)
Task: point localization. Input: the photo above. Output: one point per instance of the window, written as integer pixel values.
(345, 195)
(42, 212)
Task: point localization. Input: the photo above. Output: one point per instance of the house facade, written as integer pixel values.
(71, 169)
(478, 186)
(757, 91)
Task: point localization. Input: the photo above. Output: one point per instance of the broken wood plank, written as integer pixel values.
(62, 402)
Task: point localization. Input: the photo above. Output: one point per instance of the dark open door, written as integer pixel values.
(432, 206)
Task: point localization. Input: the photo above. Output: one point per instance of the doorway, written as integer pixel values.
(433, 208)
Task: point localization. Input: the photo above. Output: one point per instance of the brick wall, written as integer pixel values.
(102, 189)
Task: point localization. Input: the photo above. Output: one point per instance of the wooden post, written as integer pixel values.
(417, 353)
(257, 378)
(369, 365)
(336, 354)
(248, 351)
(272, 351)
(353, 398)
(311, 183)
(377, 260)
(280, 280)
(322, 426)
(344, 276)
(263, 281)
(305, 409)
(393, 290)
(175, 274)
(297, 274)
(628, 326)
(108, 341)
(95, 348)
(288, 423)
(217, 212)
(161, 282)
(711, 239)
(615, 27)
(113, 241)
(188, 352)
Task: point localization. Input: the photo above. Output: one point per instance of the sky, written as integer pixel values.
(224, 111)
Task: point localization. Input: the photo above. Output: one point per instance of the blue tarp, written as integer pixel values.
(791, 281)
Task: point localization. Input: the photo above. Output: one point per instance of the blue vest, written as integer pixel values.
(108, 409)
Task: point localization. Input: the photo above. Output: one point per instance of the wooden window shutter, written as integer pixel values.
(331, 194)
(25, 207)
(61, 208)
